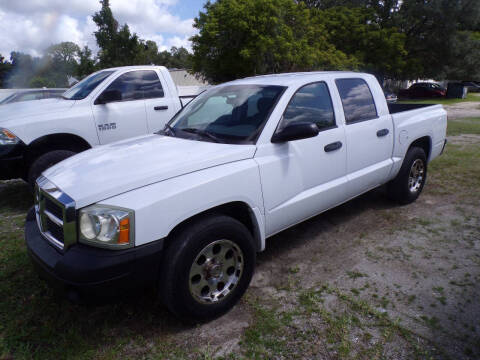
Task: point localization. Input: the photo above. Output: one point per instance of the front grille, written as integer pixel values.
(55, 230)
(53, 208)
(55, 213)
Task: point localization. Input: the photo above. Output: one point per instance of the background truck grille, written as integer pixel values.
(55, 213)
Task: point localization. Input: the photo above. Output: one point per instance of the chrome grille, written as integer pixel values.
(55, 213)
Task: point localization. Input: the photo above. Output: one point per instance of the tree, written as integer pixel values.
(379, 50)
(64, 52)
(40, 82)
(5, 68)
(434, 35)
(118, 46)
(86, 63)
(238, 38)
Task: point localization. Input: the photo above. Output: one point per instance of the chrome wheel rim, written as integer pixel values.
(216, 271)
(417, 174)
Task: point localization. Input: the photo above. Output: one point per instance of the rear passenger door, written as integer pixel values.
(369, 137)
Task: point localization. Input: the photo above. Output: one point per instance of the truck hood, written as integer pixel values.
(12, 114)
(106, 171)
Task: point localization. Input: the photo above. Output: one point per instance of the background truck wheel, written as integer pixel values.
(408, 184)
(45, 161)
(207, 268)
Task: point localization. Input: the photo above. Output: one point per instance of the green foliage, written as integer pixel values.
(86, 63)
(354, 31)
(40, 82)
(247, 37)
(118, 47)
(5, 68)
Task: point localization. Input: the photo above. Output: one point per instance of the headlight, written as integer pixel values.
(7, 137)
(106, 226)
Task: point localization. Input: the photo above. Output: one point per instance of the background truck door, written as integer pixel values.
(304, 177)
(369, 137)
(126, 117)
(159, 101)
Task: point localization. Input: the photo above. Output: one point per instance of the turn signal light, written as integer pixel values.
(124, 236)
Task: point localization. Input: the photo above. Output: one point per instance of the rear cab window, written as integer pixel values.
(357, 100)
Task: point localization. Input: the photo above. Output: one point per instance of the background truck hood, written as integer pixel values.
(106, 171)
(30, 110)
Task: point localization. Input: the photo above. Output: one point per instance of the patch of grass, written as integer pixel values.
(355, 274)
(266, 335)
(463, 126)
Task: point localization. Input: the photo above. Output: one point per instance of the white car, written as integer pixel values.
(108, 106)
(188, 208)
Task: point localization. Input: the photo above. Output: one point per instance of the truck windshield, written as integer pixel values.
(228, 114)
(85, 87)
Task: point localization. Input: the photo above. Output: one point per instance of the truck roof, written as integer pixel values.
(135, 67)
(286, 79)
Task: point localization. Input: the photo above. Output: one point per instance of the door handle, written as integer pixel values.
(333, 146)
(156, 108)
(383, 132)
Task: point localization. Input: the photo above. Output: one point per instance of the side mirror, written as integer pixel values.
(108, 97)
(296, 131)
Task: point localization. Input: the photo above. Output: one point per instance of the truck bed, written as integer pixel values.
(398, 108)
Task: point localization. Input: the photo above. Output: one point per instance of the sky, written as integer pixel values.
(31, 26)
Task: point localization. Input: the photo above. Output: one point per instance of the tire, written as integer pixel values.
(189, 279)
(45, 161)
(410, 180)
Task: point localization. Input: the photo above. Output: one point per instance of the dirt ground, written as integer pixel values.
(464, 110)
(367, 280)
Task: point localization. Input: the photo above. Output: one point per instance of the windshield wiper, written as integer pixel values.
(202, 133)
(167, 130)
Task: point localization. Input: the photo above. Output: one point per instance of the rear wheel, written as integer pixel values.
(409, 183)
(207, 268)
(45, 161)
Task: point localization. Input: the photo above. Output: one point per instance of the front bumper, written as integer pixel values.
(12, 164)
(84, 273)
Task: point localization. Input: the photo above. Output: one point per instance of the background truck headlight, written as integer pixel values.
(108, 227)
(8, 138)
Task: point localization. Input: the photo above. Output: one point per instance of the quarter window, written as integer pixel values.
(312, 103)
(152, 87)
(357, 100)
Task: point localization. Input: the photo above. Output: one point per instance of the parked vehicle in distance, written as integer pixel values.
(187, 209)
(472, 86)
(390, 96)
(423, 90)
(29, 95)
(107, 106)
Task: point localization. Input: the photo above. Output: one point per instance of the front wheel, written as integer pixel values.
(45, 161)
(207, 268)
(408, 184)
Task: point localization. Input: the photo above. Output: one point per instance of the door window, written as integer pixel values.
(357, 100)
(137, 85)
(312, 103)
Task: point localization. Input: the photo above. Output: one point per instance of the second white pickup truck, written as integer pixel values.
(108, 106)
(187, 209)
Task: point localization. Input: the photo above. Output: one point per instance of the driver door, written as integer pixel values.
(125, 116)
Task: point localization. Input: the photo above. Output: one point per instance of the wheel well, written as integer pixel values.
(238, 210)
(48, 143)
(424, 143)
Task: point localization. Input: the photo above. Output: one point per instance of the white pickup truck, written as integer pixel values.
(188, 208)
(110, 105)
